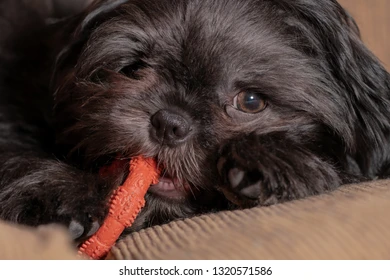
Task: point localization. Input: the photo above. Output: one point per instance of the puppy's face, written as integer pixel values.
(176, 80)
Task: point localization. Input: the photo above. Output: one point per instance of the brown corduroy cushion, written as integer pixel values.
(45, 243)
(350, 223)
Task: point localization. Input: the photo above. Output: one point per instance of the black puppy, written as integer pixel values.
(253, 102)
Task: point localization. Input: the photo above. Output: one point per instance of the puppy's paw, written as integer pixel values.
(80, 211)
(268, 170)
(63, 196)
(83, 218)
(239, 181)
(242, 182)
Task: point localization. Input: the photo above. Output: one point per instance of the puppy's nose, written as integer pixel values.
(170, 127)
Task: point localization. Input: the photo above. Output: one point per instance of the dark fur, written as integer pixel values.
(327, 121)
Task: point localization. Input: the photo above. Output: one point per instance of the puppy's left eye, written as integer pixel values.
(249, 102)
(132, 71)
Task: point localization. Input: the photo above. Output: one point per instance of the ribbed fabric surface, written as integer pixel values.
(350, 223)
(25, 243)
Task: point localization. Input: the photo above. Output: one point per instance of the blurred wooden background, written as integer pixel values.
(373, 19)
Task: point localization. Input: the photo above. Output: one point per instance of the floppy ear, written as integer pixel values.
(332, 35)
(74, 32)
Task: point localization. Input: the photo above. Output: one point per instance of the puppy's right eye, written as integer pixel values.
(249, 102)
(132, 71)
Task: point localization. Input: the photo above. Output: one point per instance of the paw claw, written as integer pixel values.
(235, 177)
(76, 229)
(94, 228)
(252, 191)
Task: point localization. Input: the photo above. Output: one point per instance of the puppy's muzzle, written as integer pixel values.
(170, 128)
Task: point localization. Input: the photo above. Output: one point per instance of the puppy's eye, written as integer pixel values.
(133, 71)
(249, 102)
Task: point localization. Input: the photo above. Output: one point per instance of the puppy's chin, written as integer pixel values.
(162, 208)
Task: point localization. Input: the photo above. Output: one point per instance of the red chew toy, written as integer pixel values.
(126, 202)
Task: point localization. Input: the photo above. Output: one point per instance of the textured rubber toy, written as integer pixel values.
(126, 202)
